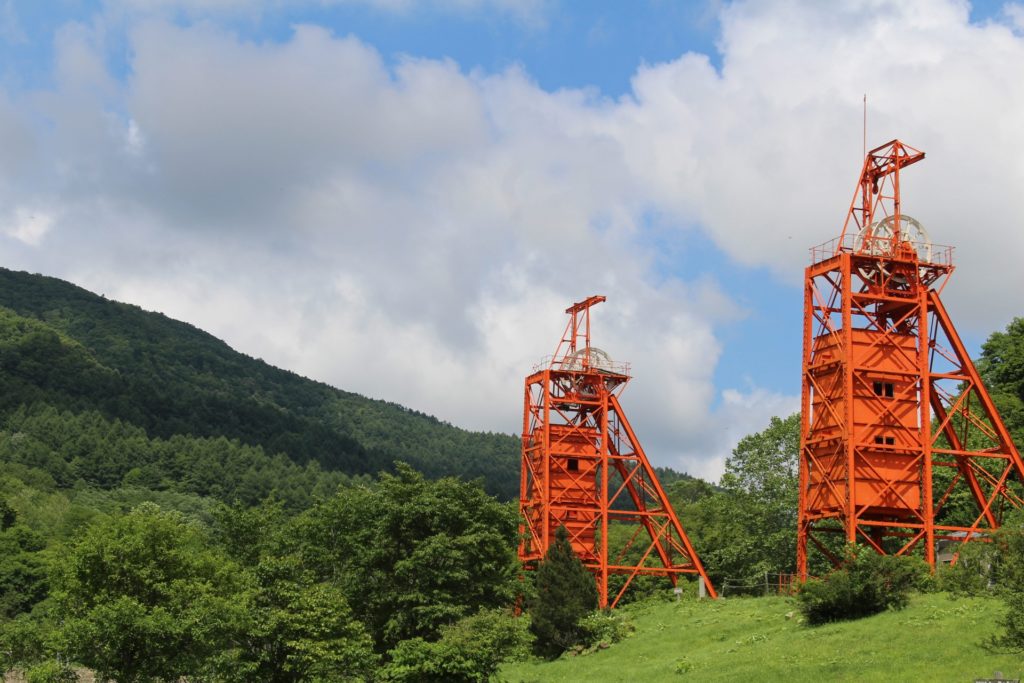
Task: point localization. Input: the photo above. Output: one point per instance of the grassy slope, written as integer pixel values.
(935, 639)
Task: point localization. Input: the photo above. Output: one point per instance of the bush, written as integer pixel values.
(1008, 570)
(22, 641)
(469, 651)
(601, 629)
(974, 572)
(866, 584)
(643, 588)
(51, 671)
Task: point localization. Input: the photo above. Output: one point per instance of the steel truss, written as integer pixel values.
(890, 396)
(583, 468)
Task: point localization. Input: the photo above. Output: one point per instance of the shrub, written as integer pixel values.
(22, 641)
(866, 584)
(600, 629)
(1008, 570)
(643, 588)
(974, 572)
(1012, 637)
(469, 651)
(51, 671)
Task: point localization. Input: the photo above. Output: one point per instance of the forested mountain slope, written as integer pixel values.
(65, 352)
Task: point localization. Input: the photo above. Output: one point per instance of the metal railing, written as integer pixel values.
(574, 365)
(926, 252)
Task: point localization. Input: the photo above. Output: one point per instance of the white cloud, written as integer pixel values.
(768, 148)
(1014, 14)
(29, 226)
(741, 413)
(414, 232)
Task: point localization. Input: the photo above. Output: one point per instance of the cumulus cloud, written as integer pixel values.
(1014, 13)
(412, 231)
(766, 148)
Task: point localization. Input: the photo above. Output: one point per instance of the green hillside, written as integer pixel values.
(65, 348)
(204, 515)
(937, 638)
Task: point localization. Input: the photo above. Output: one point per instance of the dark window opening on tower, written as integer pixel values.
(884, 389)
(574, 465)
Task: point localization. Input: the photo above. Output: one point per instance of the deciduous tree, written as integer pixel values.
(413, 555)
(144, 597)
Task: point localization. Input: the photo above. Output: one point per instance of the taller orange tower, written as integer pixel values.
(583, 468)
(896, 422)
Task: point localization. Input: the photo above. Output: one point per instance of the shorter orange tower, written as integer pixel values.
(900, 445)
(583, 468)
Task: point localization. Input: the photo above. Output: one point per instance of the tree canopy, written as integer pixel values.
(170, 508)
(64, 347)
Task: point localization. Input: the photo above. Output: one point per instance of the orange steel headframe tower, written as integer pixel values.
(889, 394)
(583, 468)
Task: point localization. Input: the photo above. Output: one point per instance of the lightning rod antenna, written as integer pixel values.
(864, 151)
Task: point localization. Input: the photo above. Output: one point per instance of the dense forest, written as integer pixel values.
(64, 348)
(170, 508)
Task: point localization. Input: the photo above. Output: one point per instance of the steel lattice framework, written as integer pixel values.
(890, 396)
(583, 468)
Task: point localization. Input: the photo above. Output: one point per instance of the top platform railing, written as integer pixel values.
(927, 252)
(574, 365)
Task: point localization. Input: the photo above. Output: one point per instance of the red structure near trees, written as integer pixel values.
(583, 468)
(896, 423)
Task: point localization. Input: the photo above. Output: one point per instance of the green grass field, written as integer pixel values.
(936, 638)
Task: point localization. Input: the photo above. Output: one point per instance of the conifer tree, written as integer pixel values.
(7, 516)
(565, 594)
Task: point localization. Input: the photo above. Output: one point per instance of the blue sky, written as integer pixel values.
(592, 45)
(579, 44)
(595, 43)
(400, 197)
